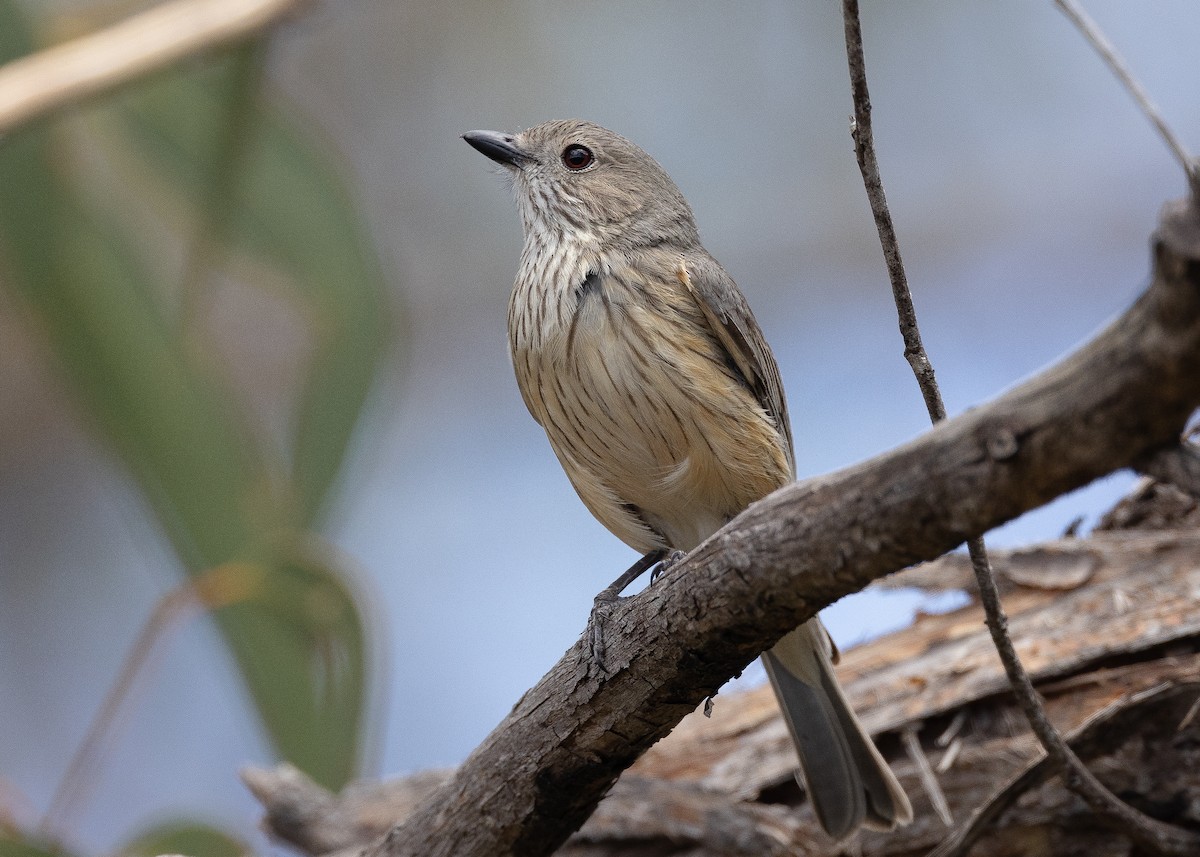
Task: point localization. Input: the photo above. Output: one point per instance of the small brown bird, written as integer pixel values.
(639, 355)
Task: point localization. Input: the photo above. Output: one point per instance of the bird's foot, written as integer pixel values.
(595, 650)
(666, 564)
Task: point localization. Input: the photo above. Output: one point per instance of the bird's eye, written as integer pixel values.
(576, 157)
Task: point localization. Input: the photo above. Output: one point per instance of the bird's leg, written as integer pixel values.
(607, 598)
(614, 589)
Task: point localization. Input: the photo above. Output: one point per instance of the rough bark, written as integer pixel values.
(1113, 403)
(1115, 651)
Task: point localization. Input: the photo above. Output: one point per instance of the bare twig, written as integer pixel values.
(1187, 719)
(950, 756)
(1163, 838)
(1095, 36)
(951, 731)
(218, 587)
(864, 150)
(39, 84)
(929, 780)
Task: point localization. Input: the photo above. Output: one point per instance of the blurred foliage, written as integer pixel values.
(17, 847)
(192, 838)
(255, 187)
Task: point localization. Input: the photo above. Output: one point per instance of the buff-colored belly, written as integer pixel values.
(661, 439)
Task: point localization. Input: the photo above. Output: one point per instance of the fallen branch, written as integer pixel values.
(1101, 730)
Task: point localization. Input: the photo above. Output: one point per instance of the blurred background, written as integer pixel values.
(252, 335)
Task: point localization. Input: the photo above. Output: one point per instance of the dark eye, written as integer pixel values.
(576, 157)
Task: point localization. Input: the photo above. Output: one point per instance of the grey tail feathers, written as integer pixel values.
(848, 781)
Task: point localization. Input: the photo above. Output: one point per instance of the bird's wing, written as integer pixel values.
(734, 326)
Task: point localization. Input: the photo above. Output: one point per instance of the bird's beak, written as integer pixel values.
(499, 147)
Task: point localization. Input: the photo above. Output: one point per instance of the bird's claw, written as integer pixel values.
(668, 562)
(596, 647)
(596, 650)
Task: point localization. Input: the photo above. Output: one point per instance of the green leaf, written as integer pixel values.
(16, 36)
(288, 207)
(195, 839)
(291, 621)
(11, 845)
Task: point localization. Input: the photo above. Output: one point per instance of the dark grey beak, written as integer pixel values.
(499, 147)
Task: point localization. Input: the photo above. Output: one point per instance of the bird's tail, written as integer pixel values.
(848, 781)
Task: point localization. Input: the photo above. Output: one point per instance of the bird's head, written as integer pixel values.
(584, 181)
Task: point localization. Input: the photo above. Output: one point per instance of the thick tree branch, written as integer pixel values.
(543, 769)
(33, 86)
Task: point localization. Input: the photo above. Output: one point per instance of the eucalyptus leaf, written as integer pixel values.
(289, 207)
(291, 622)
(195, 839)
(12, 846)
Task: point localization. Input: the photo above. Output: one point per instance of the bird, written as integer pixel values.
(640, 357)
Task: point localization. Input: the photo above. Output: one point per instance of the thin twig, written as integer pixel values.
(1095, 36)
(1146, 831)
(929, 780)
(864, 149)
(34, 86)
(950, 756)
(951, 731)
(1187, 719)
(218, 587)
